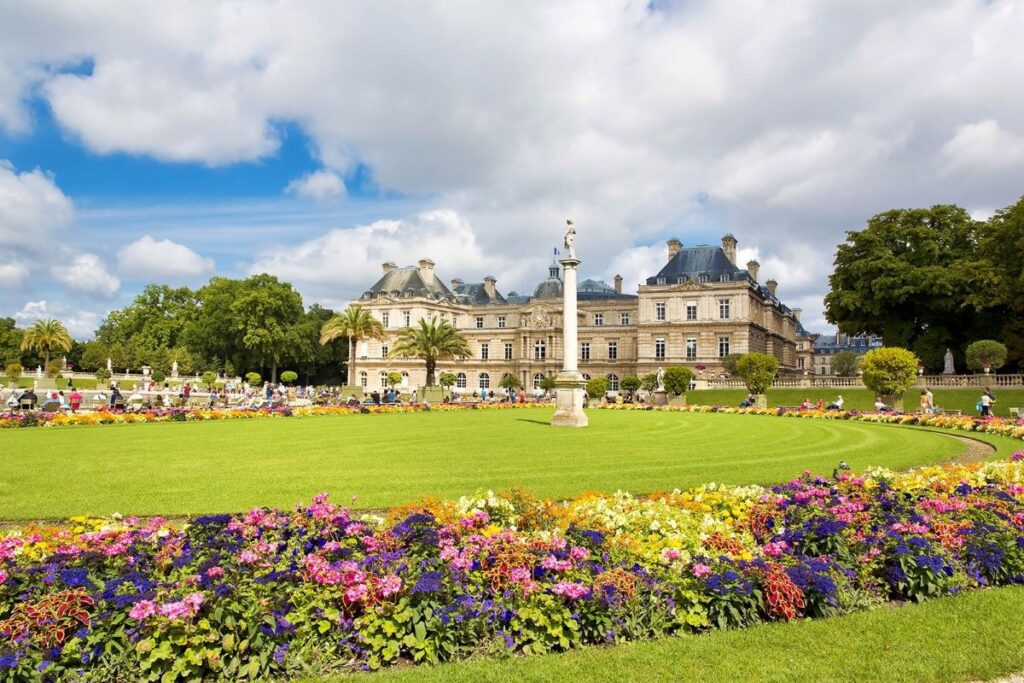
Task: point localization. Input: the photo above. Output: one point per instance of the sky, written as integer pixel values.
(169, 142)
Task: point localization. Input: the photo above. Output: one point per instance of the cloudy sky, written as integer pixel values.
(167, 142)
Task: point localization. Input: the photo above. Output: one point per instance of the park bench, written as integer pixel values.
(1015, 413)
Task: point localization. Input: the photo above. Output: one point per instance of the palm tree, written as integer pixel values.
(46, 335)
(431, 341)
(355, 323)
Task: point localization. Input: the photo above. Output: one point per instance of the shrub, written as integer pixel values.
(13, 371)
(289, 376)
(649, 382)
(597, 387)
(547, 383)
(447, 380)
(53, 368)
(209, 378)
(102, 375)
(253, 378)
(677, 379)
(630, 383)
(158, 376)
(889, 370)
(845, 364)
(729, 362)
(986, 354)
(394, 378)
(508, 381)
(758, 371)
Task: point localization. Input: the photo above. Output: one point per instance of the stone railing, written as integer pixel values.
(831, 382)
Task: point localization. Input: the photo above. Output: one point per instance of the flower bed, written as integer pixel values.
(992, 425)
(105, 417)
(275, 593)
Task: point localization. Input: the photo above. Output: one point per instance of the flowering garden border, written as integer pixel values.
(273, 594)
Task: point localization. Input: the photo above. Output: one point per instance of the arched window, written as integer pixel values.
(364, 379)
(613, 382)
(537, 379)
(540, 350)
(460, 380)
(383, 378)
(405, 379)
(485, 380)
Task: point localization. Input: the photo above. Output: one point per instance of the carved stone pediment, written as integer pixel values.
(690, 286)
(540, 318)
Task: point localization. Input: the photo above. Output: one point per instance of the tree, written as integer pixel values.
(431, 341)
(45, 336)
(677, 379)
(758, 371)
(889, 371)
(649, 382)
(158, 376)
(845, 364)
(289, 376)
(986, 354)
(253, 379)
(509, 381)
(630, 384)
(102, 375)
(211, 333)
(597, 387)
(729, 362)
(447, 380)
(547, 383)
(155, 319)
(262, 314)
(355, 323)
(13, 372)
(10, 341)
(209, 379)
(394, 378)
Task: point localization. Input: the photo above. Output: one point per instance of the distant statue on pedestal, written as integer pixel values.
(661, 379)
(174, 369)
(949, 369)
(39, 371)
(570, 240)
(110, 365)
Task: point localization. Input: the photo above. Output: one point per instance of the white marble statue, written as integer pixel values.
(661, 379)
(39, 371)
(570, 240)
(174, 369)
(110, 364)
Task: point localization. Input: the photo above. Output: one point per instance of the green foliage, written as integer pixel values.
(253, 379)
(630, 383)
(547, 383)
(158, 376)
(46, 336)
(985, 354)
(10, 341)
(209, 379)
(677, 379)
(447, 379)
(352, 324)
(394, 378)
(430, 341)
(102, 375)
(289, 376)
(649, 382)
(13, 371)
(889, 370)
(597, 387)
(845, 364)
(729, 362)
(53, 369)
(509, 381)
(757, 370)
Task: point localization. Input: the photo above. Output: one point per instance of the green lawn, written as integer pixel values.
(383, 460)
(971, 637)
(862, 399)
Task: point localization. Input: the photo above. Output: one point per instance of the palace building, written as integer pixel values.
(700, 307)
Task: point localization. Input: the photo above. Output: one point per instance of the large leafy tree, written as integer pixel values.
(10, 341)
(262, 317)
(45, 336)
(430, 341)
(915, 277)
(211, 333)
(354, 323)
(154, 320)
(315, 362)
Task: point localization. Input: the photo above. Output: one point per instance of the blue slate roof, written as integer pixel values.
(593, 290)
(476, 293)
(693, 262)
(407, 282)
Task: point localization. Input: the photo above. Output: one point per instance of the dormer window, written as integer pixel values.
(724, 277)
(702, 277)
(661, 280)
(681, 279)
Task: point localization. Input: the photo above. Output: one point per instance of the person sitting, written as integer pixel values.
(836, 404)
(28, 400)
(880, 405)
(75, 401)
(806, 405)
(820, 405)
(748, 401)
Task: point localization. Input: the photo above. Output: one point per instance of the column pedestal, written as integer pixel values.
(659, 398)
(569, 382)
(571, 388)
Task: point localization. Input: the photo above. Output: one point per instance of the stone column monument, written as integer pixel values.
(569, 383)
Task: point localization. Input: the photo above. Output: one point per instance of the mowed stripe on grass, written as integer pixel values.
(384, 460)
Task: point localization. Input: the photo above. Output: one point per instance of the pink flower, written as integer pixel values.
(248, 557)
(570, 589)
(552, 563)
(578, 552)
(700, 570)
(520, 575)
(3, 575)
(356, 593)
(774, 549)
(215, 572)
(142, 610)
(1017, 456)
(388, 586)
(671, 554)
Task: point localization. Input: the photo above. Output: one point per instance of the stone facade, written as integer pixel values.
(698, 308)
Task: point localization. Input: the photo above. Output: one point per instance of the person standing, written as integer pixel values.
(986, 403)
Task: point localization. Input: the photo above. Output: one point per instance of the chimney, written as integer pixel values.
(797, 312)
(388, 266)
(490, 286)
(729, 247)
(771, 285)
(674, 246)
(753, 267)
(426, 271)
(456, 283)
(618, 284)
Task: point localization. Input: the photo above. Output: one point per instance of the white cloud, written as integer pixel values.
(320, 186)
(13, 275)
(150, 259)
(32, 208)
(81, 324)
(87, 274)
(983, 146)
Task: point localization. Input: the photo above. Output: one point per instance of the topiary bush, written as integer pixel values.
(597, 387)
(253, 378)
(102, 375)
(677, 379)
(289, 376)
(209, 379)
(986, 354)
(158, 376)
(890, 371)
(757, 370)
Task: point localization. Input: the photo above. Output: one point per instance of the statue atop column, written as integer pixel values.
(570, 240)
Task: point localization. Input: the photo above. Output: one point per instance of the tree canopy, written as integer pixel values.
(758, 371)
(46, 336)
(430, 341)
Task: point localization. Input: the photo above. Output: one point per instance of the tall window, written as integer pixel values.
(455, 321)
(485, 351)
(800, 363)
(584, 350)
(691, 310)
(537, 379)
(723, 347)
(691, 348)
(661, 280)
(364, 379)
(501, 321)
(479, 322)
(383, 379)
(460, 380)
(724, 277)
(406, 318)
(598, 319)
(659, 311)
(485, 380)
(385, 319)
(508, 350)
(702, 277)
(613, 350)
(723, 309)
(540, 350)
(613, 382)
(624, 319)
(659, 348)
(383, 350)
